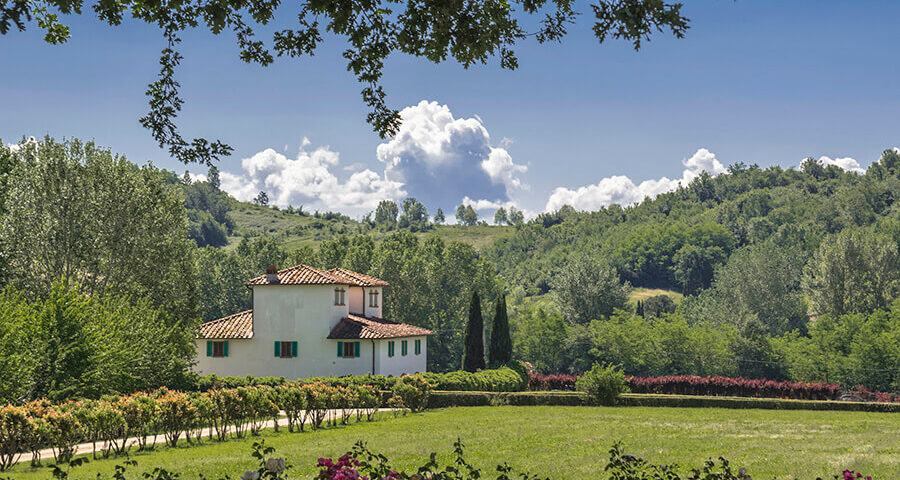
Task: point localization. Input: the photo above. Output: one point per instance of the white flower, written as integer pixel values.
(250, 475)
(275, 465)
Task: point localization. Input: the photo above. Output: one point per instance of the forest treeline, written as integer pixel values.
(786, 273)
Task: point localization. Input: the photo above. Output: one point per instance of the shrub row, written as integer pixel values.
(718, 386)
(475, 399)
(118, 422)
(556, 381)
(504, 379)
(738, 387)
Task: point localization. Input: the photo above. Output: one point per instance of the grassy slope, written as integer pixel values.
(572, 442)
(255, 220)
(645, 293)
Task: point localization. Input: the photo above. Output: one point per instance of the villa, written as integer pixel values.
(307, 322)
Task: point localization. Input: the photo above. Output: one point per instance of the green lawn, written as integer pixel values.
(571, 442)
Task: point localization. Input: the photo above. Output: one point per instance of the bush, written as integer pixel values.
(414, 391)
(603, 383)
(557, 381)
(739, 387)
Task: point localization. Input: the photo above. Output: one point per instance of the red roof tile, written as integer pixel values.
(357, 279)
(358, 327)
(301, 275)
(239, 325)
(306, 275)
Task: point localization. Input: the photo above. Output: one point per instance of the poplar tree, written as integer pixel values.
(500, 352)
(473, 348)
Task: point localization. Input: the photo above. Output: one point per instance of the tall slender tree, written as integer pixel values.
(473, 349)
(500, 352)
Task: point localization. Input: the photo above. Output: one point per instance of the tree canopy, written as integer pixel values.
(468, 33)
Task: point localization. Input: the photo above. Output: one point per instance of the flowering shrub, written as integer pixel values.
(414, 391)
(870, 396)
(738, 387)
(556, 381)
(851, 475)
(718, 386)
(15, 429)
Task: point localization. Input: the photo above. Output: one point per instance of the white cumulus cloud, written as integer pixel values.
(622, 190)
(308, 180)
(441, 159)
(846, 163)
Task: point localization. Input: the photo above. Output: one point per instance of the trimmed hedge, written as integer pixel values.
(476, 399)
(738, 387)
(503, 379)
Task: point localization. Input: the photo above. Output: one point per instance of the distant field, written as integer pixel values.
(645, 293)
(293, 231)
(568, 442)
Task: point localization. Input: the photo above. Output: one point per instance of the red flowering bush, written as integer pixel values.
(556, 381)
(343, 469)
(851, 475)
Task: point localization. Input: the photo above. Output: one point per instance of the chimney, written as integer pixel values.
(272, 275)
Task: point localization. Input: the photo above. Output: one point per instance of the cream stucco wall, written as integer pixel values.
(306, 314)
(400, 364)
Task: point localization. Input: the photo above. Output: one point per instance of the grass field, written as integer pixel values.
(645, 293)
(568, 442)
(293, 231)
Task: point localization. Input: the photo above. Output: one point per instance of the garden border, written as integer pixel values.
(442, 399)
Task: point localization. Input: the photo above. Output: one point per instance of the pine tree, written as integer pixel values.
(473, 348)
(500, 352)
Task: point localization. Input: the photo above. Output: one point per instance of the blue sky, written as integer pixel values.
(763, 82)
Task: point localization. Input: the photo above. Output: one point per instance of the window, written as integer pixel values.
(418, 346)
(285, 349)
(373, 299)
(217, 348)
(391, 348)
(339, 296)
(348, 349)
(403, 348)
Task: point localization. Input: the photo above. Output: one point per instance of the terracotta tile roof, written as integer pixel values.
(357, 327)
(357, 279)
(301, 275)
(239, 325)
(306, 275)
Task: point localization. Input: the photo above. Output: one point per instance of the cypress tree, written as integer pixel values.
(500, 352)
(473, 348)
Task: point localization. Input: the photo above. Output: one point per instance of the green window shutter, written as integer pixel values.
(293, 349)
(225, 349)
(277, 348)
(356, 349)
(340, 349)
(391, 348)
(209, 348)
(403, 348)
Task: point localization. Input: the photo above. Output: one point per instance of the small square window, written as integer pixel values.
(218, 349)
(373, 299)
(351, 349)
(286, 350)
(339, 296)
